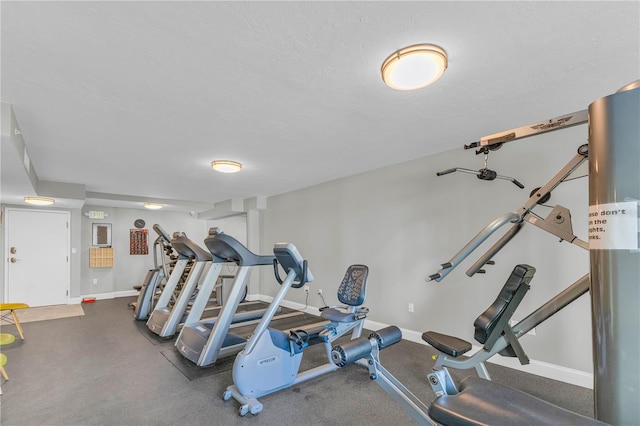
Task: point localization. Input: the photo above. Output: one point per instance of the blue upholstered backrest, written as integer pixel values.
(352, 289)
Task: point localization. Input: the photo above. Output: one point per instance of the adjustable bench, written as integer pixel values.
(489, 326)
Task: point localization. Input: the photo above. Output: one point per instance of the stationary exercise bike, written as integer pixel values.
(271, 359)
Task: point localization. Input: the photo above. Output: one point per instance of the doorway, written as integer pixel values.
(37, 251)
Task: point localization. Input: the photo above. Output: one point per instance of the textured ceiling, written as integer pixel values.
(137, 98)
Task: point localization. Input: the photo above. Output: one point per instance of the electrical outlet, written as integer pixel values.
(95, 281)
(306, 289)
(410, 307)
(319, 291)
(532, 332)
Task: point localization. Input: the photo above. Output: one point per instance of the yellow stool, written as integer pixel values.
(3, 361)
(6, 338)
(12, 307)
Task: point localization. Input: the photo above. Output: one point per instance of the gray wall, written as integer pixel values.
(129, 270)
(403, 221)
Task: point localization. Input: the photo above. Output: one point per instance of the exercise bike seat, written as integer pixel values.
(351, 292)
(483, 402)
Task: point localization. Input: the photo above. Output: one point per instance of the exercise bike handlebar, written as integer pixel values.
(298, 273)
(485, 233)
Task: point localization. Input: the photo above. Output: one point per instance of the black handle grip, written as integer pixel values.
(296, 284)
(472, 145)
(276, 272)
(446, 172)
(518, 184)
(434, 277)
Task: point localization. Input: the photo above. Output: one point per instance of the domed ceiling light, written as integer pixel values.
(39, 201)
(414, 67)
(226, 166)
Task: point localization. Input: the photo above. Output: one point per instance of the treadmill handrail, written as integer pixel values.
(225, 248)
(189, 248)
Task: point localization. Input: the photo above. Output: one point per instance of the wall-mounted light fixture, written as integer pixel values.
(39, 201)
(153, 206)
(414, 67)
(226, 166)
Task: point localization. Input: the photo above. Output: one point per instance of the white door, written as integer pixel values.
(37, 257)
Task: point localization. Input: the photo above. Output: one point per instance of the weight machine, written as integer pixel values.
(614, 135)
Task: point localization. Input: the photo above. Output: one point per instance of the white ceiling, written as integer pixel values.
(137, 98)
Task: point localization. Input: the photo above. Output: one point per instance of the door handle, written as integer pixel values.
(12, 250)
(13, 260)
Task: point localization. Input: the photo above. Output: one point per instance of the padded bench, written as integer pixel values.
(483, 402)
(492, 323)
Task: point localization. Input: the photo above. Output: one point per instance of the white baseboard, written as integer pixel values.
(103, 296)
(253, 297)
(539, 368)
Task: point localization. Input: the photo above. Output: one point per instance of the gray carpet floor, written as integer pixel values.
(101, 369)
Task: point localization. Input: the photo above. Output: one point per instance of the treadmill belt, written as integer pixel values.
(192, 371)
(157, 340)
(298, 321)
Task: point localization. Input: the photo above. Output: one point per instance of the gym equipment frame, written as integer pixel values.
(614, 178)
(271, 359)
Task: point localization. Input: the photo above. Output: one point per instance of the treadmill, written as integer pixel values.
(145, 302)
(165, 319)
(204, 341)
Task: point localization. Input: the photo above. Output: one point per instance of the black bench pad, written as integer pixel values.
(448, 344)
(483, 402)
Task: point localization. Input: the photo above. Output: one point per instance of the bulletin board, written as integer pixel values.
(138, 241)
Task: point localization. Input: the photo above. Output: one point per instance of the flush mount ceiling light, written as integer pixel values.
(153, 206)
(39, 201)
(226, 166)
(414, 67)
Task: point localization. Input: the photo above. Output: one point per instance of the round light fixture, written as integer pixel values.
(39, 201)
(226, 166)
(414, 67)
(153, 206)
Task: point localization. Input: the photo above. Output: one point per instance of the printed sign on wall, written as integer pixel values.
(613, 226)
(138, 241)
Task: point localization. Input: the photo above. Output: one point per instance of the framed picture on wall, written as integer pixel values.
(101, 235)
